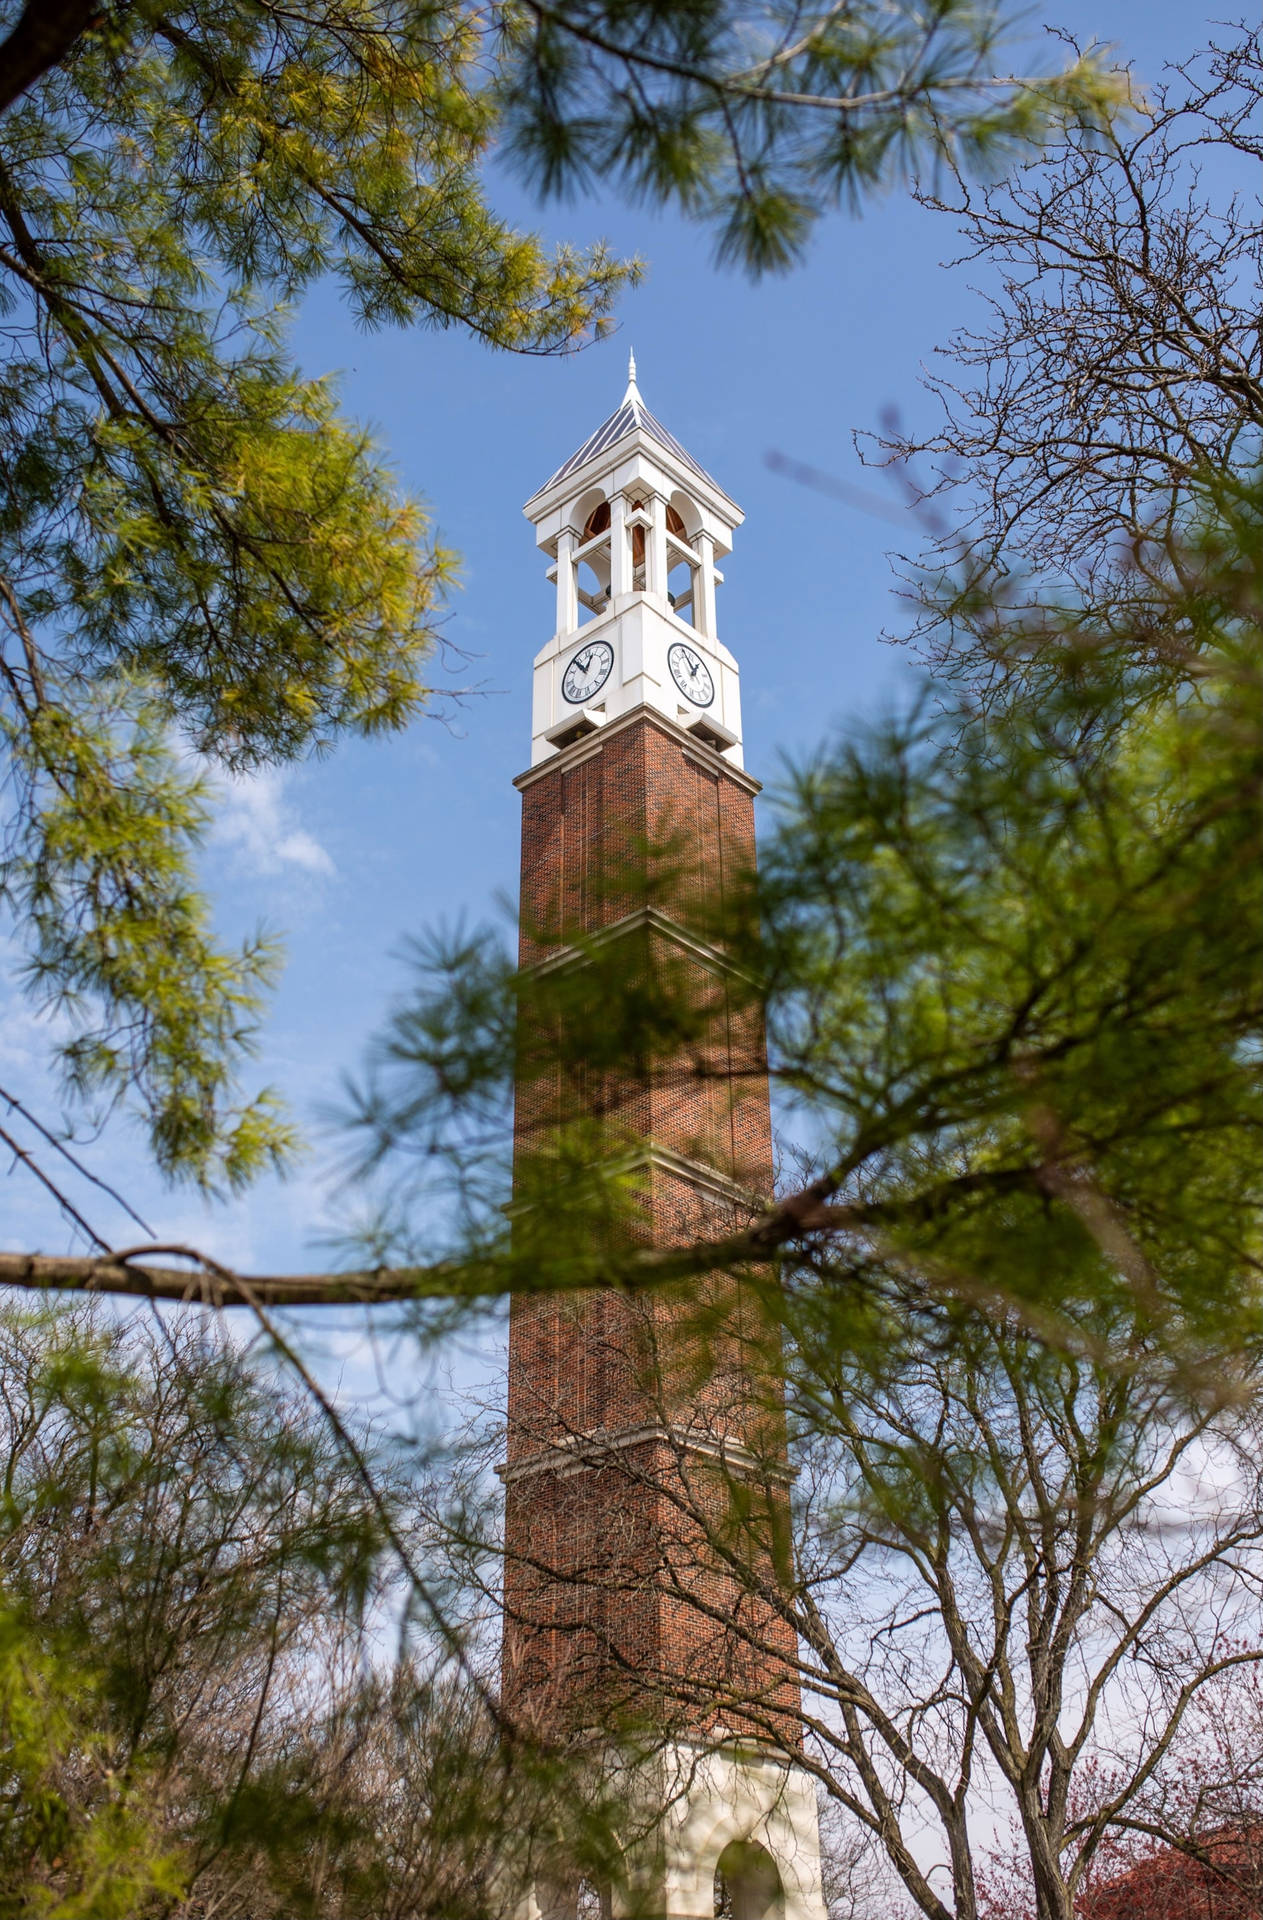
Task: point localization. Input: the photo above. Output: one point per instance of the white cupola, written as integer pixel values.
(635, 528)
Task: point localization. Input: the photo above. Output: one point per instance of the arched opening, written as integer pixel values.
(593, 557)
(747, 1885)
(593, 1902)
(682, 516)
(598, 521)
(592, 571)
(564, 1898)
(681, 558)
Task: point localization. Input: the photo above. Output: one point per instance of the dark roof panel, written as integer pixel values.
(624, 420)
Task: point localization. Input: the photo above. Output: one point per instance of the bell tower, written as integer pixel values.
(634, 527)
(627, 1445)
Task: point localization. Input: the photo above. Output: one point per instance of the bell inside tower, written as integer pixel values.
(598, 521)
(594, 554)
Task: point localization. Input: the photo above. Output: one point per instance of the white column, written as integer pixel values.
(656, 551)
(704, 586)
(567, 598)
(620, 548)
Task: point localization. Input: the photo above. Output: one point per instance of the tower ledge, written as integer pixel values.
(693, 748)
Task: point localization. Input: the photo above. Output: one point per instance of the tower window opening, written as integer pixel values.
(594, 555)
(681, 563)
(592, 575)
(747, 1885)
(593, 1902)
(680, 572)
(638, 551)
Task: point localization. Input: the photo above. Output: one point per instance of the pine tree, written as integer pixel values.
(196, 547)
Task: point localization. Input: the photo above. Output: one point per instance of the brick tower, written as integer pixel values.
(626, 1433)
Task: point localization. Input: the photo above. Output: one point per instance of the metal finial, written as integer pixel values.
(631, 368)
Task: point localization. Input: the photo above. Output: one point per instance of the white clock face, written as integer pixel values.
(691, 674)
(587, 672)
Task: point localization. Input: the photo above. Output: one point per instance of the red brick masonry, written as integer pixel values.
(632, 1422)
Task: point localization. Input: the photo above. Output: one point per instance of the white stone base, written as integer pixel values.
(692, 1810)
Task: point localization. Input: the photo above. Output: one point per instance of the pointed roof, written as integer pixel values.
(630, 414)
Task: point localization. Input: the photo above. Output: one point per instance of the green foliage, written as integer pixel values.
(1007, 952)
(1016, 986)
(59, 1860)
(180, 1496)
(218, 1692)
(758, 119)
(181, 1549)
(189, 524)
(99, 873)
(1009, 966)
(192, 538)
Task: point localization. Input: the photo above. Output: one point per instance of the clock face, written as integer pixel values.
(691, 674)
(587, 672)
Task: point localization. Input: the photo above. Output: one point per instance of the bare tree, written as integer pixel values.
(186, 1548)
(1189, 1846)
(1124, 354)
(1023, 1587)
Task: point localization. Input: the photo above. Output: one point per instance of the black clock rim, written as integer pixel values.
(609, 665)
(681, 646)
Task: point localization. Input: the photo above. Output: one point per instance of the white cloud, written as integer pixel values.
(254, 817)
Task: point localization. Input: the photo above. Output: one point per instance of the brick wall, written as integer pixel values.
(617, 1598)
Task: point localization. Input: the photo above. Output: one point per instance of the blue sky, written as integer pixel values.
(347, 856)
